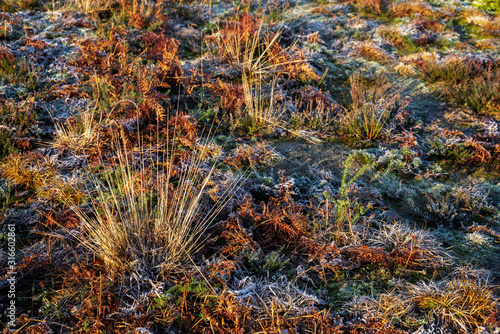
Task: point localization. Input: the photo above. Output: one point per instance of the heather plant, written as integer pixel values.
(471, 81)
(404, 160)
(456, 205)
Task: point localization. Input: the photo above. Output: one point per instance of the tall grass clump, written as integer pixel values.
(250, 48)
(259, 108)
(149, 214)
(372, 105)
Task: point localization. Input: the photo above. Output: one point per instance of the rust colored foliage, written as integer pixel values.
(362, 255)
(315, 98)
(484, 229)
(6, 55)
(324, 256)
(407, 139)
(170, 66)
(100, 303)
(237, 34)
(20, 116)
(220, 270)
(429, 23)
(226, 314)
(155, 44)
(411, 8)
(100, 56)
(456, 145)
(142, 18)
(126, 90)
(291, 63)
(237, 237)
(111, 57)
(183, 128)
(230, 96)
(57, 218)
(37, 44)
(407, 256)
(282, 220)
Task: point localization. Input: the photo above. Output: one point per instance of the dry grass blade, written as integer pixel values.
(259, 108)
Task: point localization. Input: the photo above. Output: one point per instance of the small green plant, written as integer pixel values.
(492, 6)
(274, 262)
(345, 211)
(404, 160)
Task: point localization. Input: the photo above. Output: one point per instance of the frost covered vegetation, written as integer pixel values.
(246, 166)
